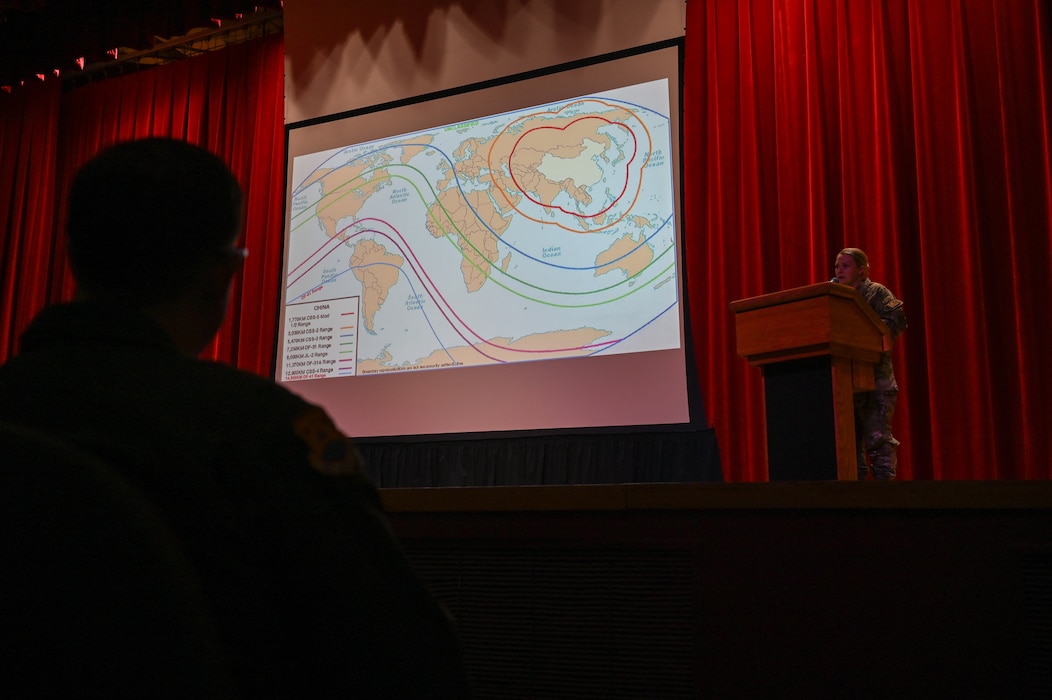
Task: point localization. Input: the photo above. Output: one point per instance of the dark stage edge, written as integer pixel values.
(799, 497)
(838, 589)
(681, 456)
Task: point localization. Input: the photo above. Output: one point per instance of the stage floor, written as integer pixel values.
(1010, 495)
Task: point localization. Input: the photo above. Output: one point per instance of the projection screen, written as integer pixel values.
(503, 257)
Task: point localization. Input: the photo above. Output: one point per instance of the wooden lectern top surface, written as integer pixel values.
(788, 296)
(823, 318)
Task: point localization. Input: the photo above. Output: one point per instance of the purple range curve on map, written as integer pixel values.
(450, 161)
(614, 343)
(404, 248)
(417, 267)
(299, 187)
(482, 221)
(410, 281)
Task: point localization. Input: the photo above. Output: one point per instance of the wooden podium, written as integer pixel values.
(817, 345)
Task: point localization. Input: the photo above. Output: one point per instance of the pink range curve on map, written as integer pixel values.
(403, 247)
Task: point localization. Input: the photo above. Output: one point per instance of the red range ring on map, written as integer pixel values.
(500, 153)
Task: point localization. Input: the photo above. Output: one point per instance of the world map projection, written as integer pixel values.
(540, 233)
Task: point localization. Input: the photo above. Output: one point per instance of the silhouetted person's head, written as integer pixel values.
(153, 222)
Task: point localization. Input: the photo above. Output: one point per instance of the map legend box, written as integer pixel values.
(321, 339)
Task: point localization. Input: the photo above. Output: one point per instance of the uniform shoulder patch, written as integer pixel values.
(329, 451)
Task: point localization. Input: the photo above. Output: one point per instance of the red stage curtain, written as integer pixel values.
(28, 136)
(919, 131)
(230, 101)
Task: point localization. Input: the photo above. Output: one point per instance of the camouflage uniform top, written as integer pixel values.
(890, 311)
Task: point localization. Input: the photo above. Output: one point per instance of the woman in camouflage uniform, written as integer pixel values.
(874, 409)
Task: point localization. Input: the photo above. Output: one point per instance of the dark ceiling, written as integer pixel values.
(40, 36)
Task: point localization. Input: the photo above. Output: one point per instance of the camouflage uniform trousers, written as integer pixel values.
(873, 412)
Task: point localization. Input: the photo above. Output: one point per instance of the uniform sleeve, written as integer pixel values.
(890, 311)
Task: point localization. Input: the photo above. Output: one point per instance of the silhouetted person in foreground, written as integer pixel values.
(309, 592)
(96, 598)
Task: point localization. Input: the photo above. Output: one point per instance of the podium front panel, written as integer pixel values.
(801, 426)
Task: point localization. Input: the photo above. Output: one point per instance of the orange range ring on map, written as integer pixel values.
(503, 151)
